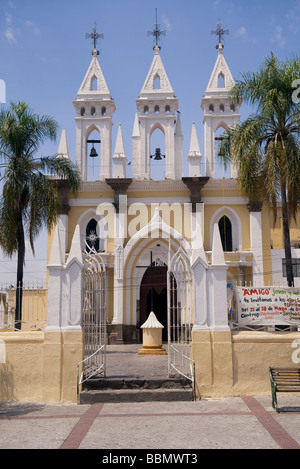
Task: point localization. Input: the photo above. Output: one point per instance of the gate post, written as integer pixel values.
(211, 336)
(56, 276)
(72, 318)
(218, 285)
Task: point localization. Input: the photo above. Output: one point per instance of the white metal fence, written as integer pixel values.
(34, 306)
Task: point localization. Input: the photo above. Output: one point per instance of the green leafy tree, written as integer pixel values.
(30, 196)
(265, 147)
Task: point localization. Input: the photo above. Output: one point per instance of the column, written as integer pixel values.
(256, 242)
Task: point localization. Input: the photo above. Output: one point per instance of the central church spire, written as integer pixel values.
(157, 106)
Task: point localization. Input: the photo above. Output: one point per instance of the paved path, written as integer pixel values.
(247, 422)
(236, 423)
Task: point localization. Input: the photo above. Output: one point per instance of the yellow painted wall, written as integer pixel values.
(34, 306)
(40, 366)
(276, 233)
(236, 363)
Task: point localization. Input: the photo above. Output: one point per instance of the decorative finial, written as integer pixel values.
(219, 32)
(156, 32)
(94, 36)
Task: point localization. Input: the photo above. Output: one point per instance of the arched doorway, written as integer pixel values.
(159, 301)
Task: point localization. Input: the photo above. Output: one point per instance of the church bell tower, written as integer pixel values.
(94, 108)
(219, 111)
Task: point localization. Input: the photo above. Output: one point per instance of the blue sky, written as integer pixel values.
(44, 56)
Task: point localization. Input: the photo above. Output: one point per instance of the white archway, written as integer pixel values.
(164, 242)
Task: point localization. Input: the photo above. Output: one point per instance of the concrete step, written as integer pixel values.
(135, 390)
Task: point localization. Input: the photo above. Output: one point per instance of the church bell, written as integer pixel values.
(93, 152)
(158, 155)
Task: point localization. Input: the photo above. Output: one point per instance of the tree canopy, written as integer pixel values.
(30, 196)
(265, 148)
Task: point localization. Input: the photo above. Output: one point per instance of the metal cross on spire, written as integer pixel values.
(94, 36)
(156, 32)
(219, 31)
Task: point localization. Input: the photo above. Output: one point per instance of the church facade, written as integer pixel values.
(184, 253)
(177, 245)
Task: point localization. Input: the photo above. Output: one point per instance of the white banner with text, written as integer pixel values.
(268, 305)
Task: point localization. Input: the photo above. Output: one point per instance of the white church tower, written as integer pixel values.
(157, 106)
(219, 112)
(94, 107)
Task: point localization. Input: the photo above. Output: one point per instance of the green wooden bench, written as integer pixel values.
(283, 380)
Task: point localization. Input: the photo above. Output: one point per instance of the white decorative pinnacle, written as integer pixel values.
(178, 130)
(63, 150)
(136, 127)
(194, 145)
(217, 248)
(119, 148)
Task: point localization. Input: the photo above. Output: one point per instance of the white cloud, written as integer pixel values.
(241, 32)
(10, 36)
(278, 37)
(9, 32)
(293, 17)
(32, 26)
(166, 23)
(8, 18)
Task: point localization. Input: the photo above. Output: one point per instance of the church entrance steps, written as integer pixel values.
(136, 390)
(131, 377)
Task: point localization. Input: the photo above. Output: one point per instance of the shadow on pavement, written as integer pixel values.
(16, 409)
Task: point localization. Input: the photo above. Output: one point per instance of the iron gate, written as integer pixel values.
(94, 316)
(179, 316)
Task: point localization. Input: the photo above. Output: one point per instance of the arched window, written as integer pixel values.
(91, 236)
(103, 111)
(167, 109)
(94, 236)
(221, 107)
(211, 108)
(93, 154)
(93, 111)
(82, 111)
(226, 233)
(221, 170)
(156, 109)
(94, 84)
(221, 81)
(157, 163)
(146, 109)
(156, 83)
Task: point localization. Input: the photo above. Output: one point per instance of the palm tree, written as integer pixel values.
(30, 197)
(266, 148)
